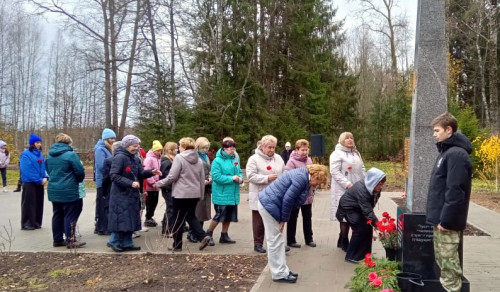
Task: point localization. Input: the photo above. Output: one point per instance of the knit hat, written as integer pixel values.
(287, 144)
(129, 140)
(2, 143)
(157, 145)
(34, 138)
(108, 133)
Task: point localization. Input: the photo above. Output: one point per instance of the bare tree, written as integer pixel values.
(112, 31)
(381, 19)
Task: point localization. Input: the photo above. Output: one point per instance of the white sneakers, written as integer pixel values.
(5, 189)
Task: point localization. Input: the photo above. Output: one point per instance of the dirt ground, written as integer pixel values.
(488, 200)
(144, 272)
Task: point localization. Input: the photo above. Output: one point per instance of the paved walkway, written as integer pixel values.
(321, 268)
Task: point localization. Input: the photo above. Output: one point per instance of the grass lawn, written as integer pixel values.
(394, 172)
(13, 176)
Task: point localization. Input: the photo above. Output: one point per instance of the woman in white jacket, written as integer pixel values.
(346, 168)
(262, 169)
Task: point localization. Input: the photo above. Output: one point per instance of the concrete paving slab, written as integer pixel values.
(321, 268)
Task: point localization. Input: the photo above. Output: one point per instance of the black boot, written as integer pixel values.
(191, 237)
(19, 184)
(339, 242)
(224, 238)
(345, 243)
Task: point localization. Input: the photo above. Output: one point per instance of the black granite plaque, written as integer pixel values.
(417, 249)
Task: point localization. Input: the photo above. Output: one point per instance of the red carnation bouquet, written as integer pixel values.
(387, 231)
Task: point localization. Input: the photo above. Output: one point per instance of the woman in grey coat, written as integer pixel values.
(188, 187)
(346, 168)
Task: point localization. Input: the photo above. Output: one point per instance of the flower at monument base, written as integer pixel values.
(404, 196)
(349, 167)
(387, 232)
(374, 275)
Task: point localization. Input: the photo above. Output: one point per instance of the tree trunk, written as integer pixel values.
(493, 66)
(126, 99)
(107, 65)
(482, 73)
(171, 113)
(114, 68)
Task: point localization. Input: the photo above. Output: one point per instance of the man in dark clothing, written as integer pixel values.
(448, 197)
(285, 154)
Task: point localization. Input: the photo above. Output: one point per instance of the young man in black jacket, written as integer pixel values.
(448, 197)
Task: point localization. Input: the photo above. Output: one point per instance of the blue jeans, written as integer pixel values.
(121, 239)
(64, 218)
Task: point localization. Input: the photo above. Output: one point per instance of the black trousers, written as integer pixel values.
(102, 209)
(306, 224)
(64, 219)
(184, 211)
(32, 205)
(361, 241)
(3, 171)
(151, 203)
(167, 224)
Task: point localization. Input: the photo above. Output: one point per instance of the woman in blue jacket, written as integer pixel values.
(66, 172)
(276, 203)
(227, 177)
(34, 177)
(102, 151)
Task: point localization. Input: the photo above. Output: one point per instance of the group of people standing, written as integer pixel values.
(190, 183)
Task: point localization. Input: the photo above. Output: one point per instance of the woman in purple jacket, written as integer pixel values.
(275, 205)
(300, 158)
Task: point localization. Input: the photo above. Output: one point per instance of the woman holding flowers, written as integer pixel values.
(227, 177)
(263, 168)
(124, 202)
(346, 168)
(356, 208)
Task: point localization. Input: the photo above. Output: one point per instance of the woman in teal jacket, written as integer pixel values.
(65, 172)
(227, 177)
